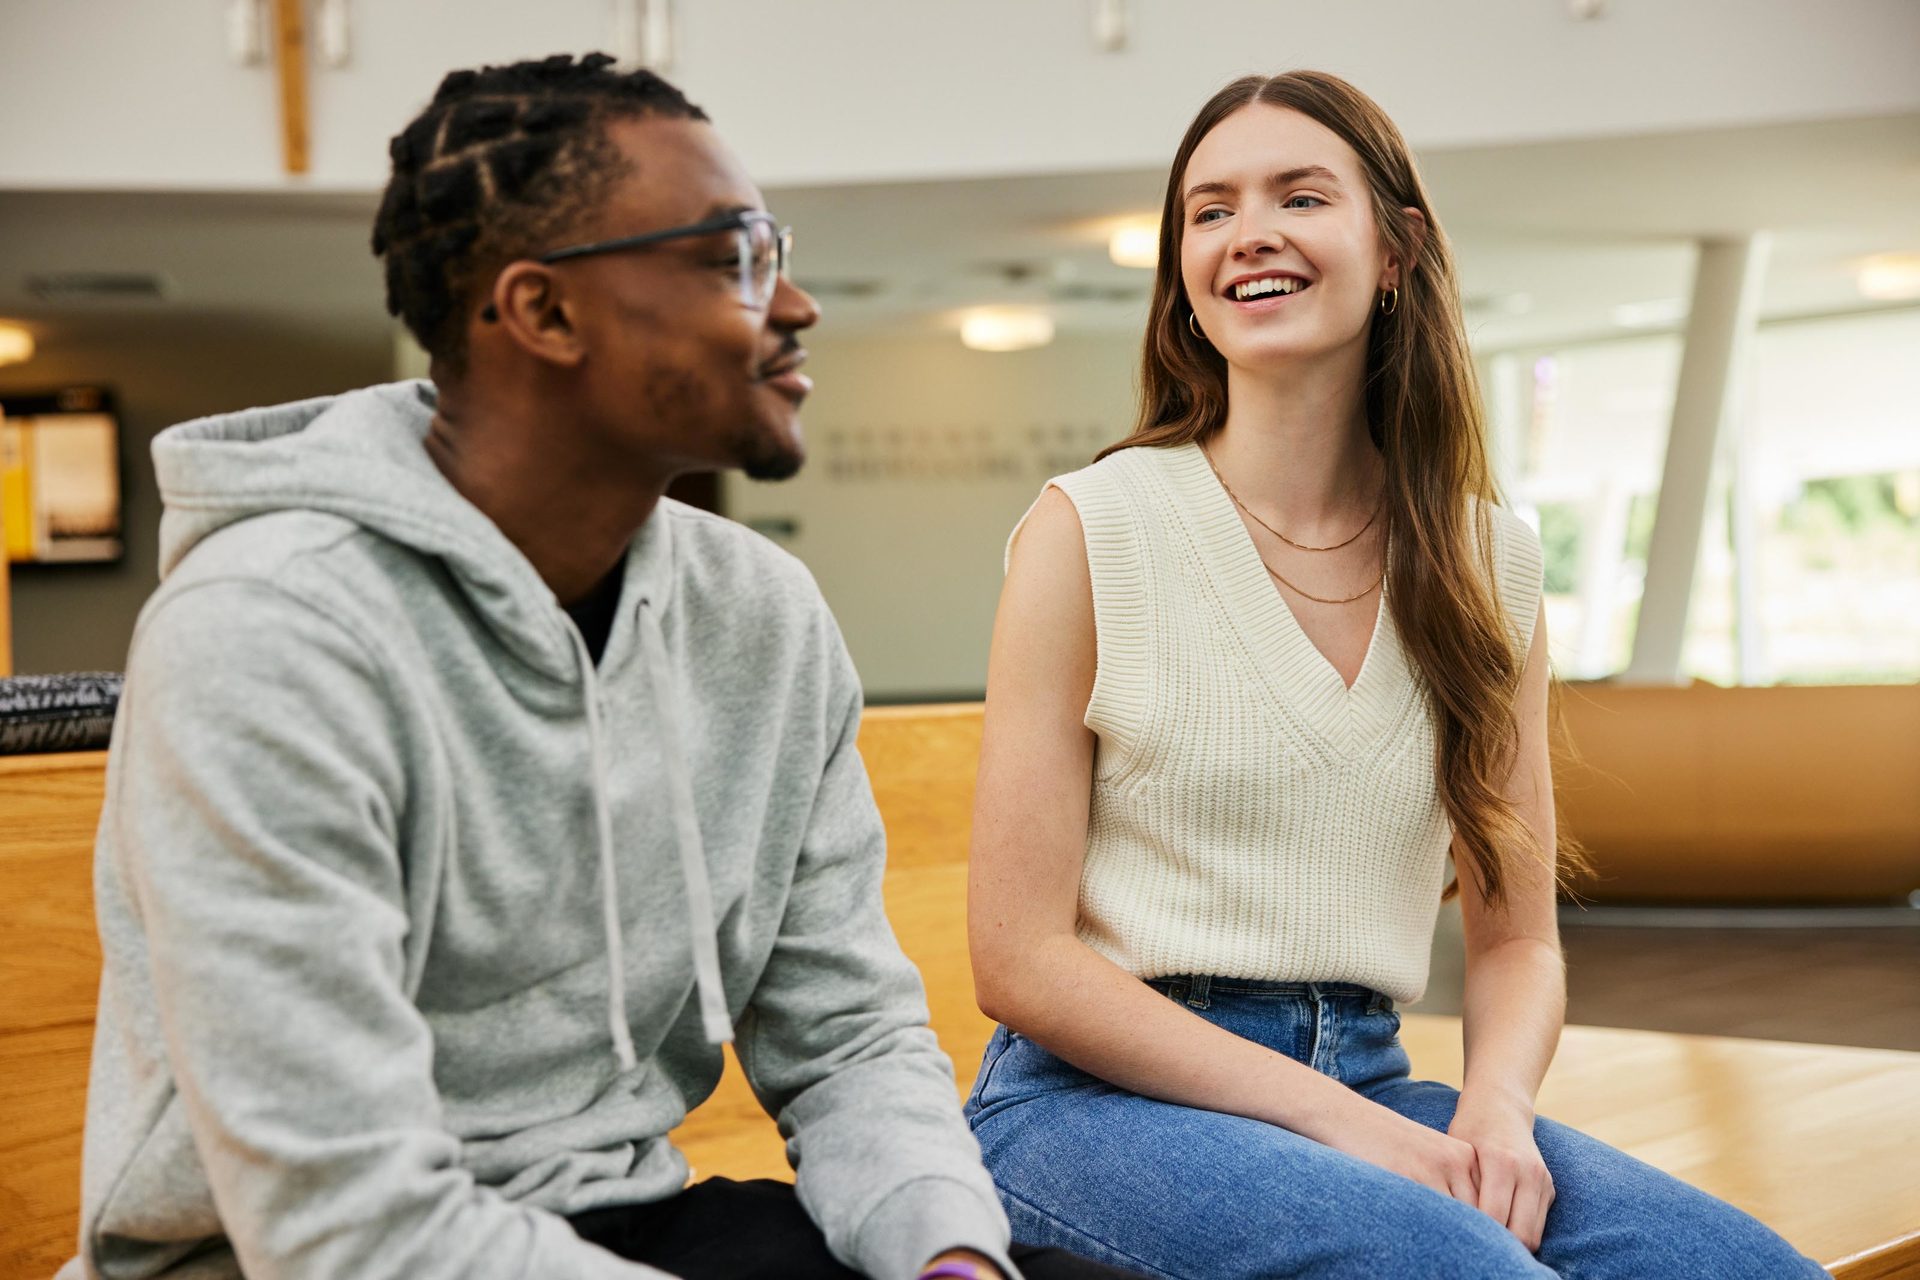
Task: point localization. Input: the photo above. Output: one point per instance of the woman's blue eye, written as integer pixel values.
(1206, 215)
(1291, 205)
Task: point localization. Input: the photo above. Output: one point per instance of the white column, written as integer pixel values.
(1743, 515)
(1726, 300)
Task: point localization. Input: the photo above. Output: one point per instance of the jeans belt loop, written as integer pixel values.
(1197, 992)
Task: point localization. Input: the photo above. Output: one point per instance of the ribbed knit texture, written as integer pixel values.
(1252, 816)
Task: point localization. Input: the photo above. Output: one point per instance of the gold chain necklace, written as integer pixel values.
(1251, 515)
(1281, 579)
(1321, 599)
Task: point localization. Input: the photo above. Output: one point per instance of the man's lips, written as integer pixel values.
(784, 376)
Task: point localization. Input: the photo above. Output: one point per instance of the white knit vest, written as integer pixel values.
(1251, 816)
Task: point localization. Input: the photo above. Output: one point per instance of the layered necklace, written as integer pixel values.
(1251, 515)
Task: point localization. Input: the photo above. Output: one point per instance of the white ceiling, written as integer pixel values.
(1550, 236)
(900, 90)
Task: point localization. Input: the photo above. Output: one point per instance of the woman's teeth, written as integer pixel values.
(1271, 284)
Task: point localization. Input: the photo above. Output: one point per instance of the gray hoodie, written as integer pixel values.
(420, 931)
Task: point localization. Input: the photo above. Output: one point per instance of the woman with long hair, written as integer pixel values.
(1255, 673)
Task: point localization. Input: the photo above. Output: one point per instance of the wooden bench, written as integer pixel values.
(1815, 1141)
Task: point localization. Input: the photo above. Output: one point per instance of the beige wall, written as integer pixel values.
(80, 617)
(922, 456)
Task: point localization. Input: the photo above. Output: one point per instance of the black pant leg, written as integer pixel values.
(718, 1229)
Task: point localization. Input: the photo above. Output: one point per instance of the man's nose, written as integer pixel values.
(792, 308)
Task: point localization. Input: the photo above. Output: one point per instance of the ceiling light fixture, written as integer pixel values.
(1889, 277)
(1135, 243)
(16, 344)
(1006, 328)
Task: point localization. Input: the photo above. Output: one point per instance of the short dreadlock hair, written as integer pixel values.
(501, 165)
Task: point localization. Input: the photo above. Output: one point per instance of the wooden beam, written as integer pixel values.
(290, 57)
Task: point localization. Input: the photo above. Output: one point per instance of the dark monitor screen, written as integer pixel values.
(60, 476)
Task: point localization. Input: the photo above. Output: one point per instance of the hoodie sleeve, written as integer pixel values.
(836, 1044)
(260, 786)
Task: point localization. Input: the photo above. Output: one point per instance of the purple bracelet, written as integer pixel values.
(953, 1271)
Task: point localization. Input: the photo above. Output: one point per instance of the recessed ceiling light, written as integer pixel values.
(16, 344)
(1006, 328)
(1135, 243)
(1890, 277)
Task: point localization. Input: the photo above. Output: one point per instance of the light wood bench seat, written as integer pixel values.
(1815, 1141)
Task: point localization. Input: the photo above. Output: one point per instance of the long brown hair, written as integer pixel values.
(1424, 415)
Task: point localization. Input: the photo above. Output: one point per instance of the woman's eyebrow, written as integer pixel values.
(1212, 189)
(1317, 172)
(1285, 178)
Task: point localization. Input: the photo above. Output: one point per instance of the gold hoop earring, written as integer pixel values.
(1193, 323)
(1389, 301)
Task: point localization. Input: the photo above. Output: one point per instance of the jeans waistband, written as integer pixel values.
(1198, 989)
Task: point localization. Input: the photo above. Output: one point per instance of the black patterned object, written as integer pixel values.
(57, 713)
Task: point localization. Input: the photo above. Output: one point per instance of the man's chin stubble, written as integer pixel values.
(761, 458)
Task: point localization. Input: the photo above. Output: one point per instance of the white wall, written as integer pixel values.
(922, 456)
(140, 93)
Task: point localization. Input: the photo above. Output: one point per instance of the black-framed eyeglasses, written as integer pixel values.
(763, 245)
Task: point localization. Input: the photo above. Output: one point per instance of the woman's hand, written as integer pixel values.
(1515, 1187)
(1399, 1145)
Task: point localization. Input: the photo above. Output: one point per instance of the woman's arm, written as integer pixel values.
(1516, 990)
(1029, 836)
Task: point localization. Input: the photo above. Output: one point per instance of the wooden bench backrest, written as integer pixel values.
(1815, 1141)
(1766, 794)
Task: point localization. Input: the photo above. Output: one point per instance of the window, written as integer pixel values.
(1810, 555)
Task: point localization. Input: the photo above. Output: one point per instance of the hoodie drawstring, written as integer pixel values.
(686, 820)
(714, 1018)
(609, 882)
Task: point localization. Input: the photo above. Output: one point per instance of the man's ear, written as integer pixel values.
(529, 305)
(1417, 231)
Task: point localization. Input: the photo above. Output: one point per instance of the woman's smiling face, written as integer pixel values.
(1280, 253)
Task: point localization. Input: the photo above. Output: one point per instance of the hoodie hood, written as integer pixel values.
(360, 456)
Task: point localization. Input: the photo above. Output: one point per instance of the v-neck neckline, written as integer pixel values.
(1295, 669)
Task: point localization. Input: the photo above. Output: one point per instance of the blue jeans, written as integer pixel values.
(1188, 1194)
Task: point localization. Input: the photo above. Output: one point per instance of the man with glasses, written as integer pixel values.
(468, 794)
